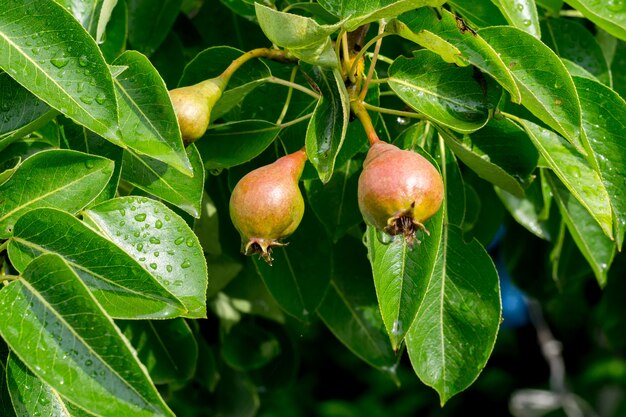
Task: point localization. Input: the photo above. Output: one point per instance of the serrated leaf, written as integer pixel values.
(595, 246)
(350, 310)
(610, 16)
(167, 348)
(604, 125)
(446, 94)
(455, 327)
(546, 88)
(160, 241)
(521, 14)
(64, 179)
(149, 22)
(147, 119)
(119, 283)
(575, 172)
(302, 36)
(300, 272)
(327, 128)
(231, 144)
(165, 182)
(56, 60)
(472, 47)
(60, 332)
(356, 13)
(571, 40)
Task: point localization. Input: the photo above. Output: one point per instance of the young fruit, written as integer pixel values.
(398, 190)
(267, 206)
(193, 105)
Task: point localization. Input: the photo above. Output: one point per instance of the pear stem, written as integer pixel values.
(275, 54)
(361, 113)
(370, 73)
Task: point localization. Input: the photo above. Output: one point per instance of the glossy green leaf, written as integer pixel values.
(471, 46)
(19, 107)
(455, 327)
(595, 246)
(609, 15)
(149, 22)
(114, 40)
(546, 87)
(575, 172)
(359, 12)
(527, 210)
(458, 102)
(572, 41)
(553, 6)
(335, 203)
(57, 328)
(302, 36)
(57, 61)
(618, 69)
(481, 13)
(500, 153)
(93, 15)
(400, 275)
(165, 182)
(231, 144)
(521, 14)
(300, 273)
(160, 241)
(167, 348)
(147, 119)
(38, 123)
(67, 180)
(118, 282)
(350, 309)
(30, 395)
(604, 125)
(327, 128)
(248, 346)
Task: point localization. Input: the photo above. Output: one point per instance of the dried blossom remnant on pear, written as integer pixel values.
(193, 105)
(266, 205)
(398, 190)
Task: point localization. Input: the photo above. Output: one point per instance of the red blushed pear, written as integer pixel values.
(398, 190)
(193, 105)
(266, 205)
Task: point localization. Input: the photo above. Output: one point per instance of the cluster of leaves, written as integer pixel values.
(109, 224)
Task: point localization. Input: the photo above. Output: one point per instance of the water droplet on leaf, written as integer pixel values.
(140, 217)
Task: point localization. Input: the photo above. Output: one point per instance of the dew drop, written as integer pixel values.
(558, 102)
(153, 265)
(136, 234)
(526, 22)
(142, 259)
(189, 242)
(88, 362)
(140, 217)
(139, 246)
(615, 5)
(83, 61)
(100, 98)
(158, 224)
(520, 6)
(59, 62)
(123, 212)
(122, 223)
(155, 240)
(156, 254)
(35, 51)
(81, 87)
(186, 264)
(133, 208)
(179, 240)
(167, 218)
(89, 164)
(169, 268)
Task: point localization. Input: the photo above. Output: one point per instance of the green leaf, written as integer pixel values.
(573, 169)
(335, 203)
(471, 46)
(527, 210)
(327, 128)
(160, 241)
(147, 119)
(446, 94)
(19, 107)
(56, 327)
(455, 327)
(482, 13)
(57, 61)
(149, 22)
(571, 40)
(247, 346)
(399, 275)
(610, 16)
(93, 15)
(163, 181)
(38, 123)
(521, 14)
(64, 179)
(605, 129)
(167, 348)
(546, 87)
(350, 310)
(114, 40)
(231, 144)
(300, 273)
(118, 282)
(302, 36)
(598, 249)
(358, 12)
(500, 153)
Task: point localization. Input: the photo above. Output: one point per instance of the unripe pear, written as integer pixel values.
(398, 190)
(193, 105)
(266, 205)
